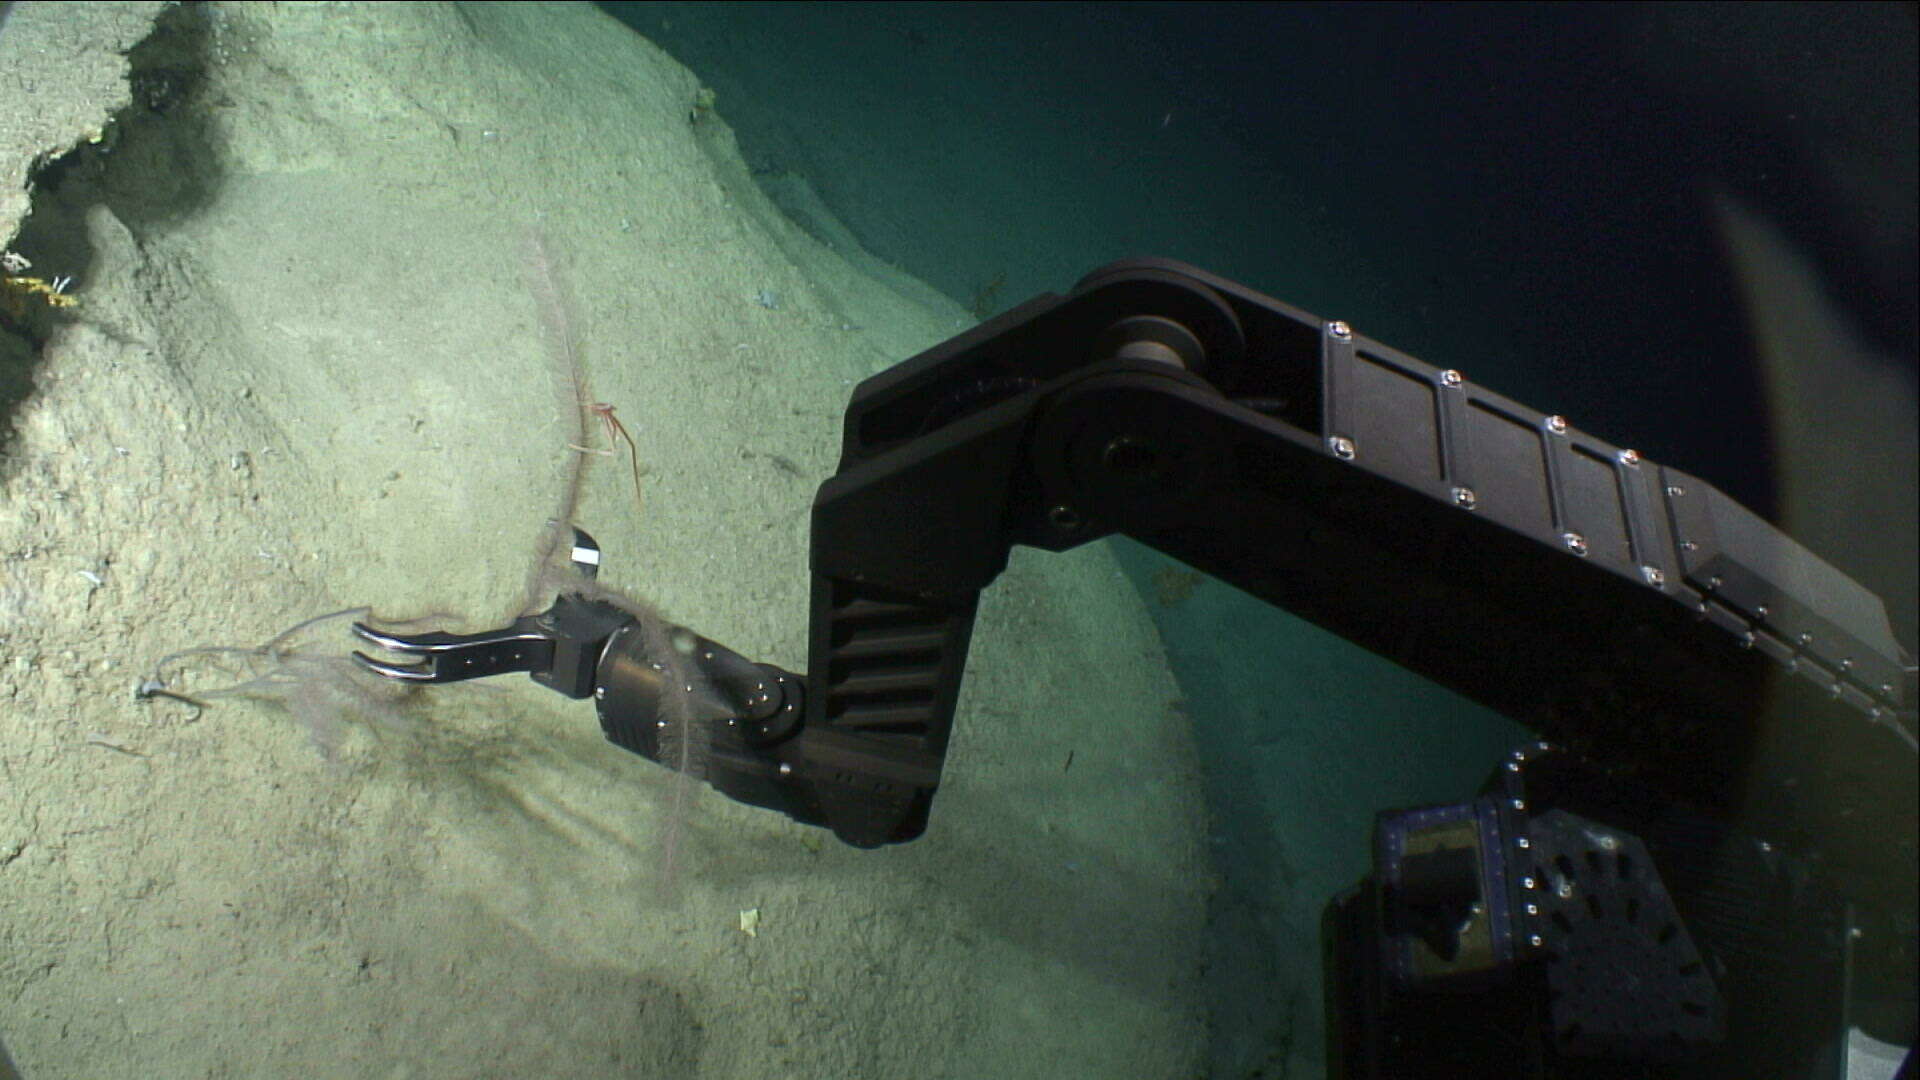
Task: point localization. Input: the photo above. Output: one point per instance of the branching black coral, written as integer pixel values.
(689, 707)
(322, 687)
(318, 686)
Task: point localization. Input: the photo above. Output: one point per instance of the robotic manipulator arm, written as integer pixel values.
(1720, 713)
(1618, 607)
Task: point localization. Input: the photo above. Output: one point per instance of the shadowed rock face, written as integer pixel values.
(68, 76)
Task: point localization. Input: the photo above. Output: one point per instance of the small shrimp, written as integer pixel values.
(617, 430)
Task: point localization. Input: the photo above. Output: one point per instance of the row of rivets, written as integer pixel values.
(1466, 498)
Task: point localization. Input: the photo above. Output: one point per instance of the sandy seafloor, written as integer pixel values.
(305, 374)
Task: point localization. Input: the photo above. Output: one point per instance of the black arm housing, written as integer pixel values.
(1618, 606)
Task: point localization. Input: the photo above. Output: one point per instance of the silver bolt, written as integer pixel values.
(1519, 804)
(1688, 545)
(1715, 582)
(1675, 490)
(1806, 639)
(1653, 575)
(1557, 425)
(1528, 882)
(1629, 457)
(786, 769)
(1342, 447)
(1764, 846)
(1523, 842)
(1533, 909)
(1563, 888)
(1575, 543)
(1451, 377)
(1464, 498)
(1886, 688)
(1846, 664)
(1340, 330)
(1608, 843)
(1746, 640)
(1763, 611)
(1537, 940)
